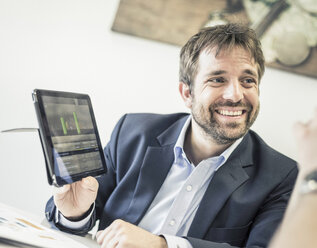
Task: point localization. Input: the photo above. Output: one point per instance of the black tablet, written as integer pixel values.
(69, 136)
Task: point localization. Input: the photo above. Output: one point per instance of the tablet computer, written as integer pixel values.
(69, 136)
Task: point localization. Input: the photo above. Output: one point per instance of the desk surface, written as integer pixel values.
(20, 226)
(86, 240)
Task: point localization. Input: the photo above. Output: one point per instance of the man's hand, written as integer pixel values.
(73, 200)
(121, 234)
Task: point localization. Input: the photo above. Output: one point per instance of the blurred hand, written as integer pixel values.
(73, 200)
(306, 137)
(121, 234)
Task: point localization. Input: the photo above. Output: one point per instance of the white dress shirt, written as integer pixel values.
(174, 207)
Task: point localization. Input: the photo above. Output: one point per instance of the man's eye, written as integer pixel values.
(217, 80)
(249, 80)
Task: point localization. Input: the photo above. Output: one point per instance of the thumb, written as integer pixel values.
(90, 183)
(60, 191)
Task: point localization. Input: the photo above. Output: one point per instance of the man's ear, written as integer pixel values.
(184, 90)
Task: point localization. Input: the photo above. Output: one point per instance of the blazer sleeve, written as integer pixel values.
(266, 221)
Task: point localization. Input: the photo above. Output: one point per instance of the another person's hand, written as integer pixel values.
(121, 234)
(74, 200)
(306, 137)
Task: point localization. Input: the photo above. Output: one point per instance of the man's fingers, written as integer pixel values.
(101, 235)
(112, 243)
(97, 234)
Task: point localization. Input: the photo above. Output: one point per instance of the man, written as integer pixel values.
(300, 222)
(199, 180)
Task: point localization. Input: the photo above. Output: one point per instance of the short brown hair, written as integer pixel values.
(222, 37)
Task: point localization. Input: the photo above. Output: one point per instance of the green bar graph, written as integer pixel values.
(76, 122)
(63, 126)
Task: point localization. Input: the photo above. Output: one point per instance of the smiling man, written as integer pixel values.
(198, 180)
(224, 100)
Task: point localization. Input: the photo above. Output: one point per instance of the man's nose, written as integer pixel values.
(233, 91)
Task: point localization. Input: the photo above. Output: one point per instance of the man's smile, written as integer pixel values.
(233, 113)
(230, 113)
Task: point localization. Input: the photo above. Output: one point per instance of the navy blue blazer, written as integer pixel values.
(244, 202)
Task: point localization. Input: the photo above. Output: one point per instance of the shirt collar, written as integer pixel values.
(179, 146)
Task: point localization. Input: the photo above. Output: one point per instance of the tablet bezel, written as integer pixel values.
(46, 138)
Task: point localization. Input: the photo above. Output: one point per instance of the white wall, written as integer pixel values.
(67, 45)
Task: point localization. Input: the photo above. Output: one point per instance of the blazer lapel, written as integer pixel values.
(156, 165)
(228, 178)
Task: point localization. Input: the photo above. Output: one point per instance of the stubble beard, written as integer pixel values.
(223, 133)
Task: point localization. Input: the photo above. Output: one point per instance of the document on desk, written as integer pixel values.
(19, 230)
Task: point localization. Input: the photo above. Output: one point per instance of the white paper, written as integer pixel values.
(17, 227)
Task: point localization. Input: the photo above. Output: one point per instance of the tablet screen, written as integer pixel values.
(71, 135)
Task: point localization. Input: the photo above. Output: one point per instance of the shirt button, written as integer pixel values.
(189, 188)
(172, 222)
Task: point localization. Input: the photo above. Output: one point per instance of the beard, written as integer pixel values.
(223, 133)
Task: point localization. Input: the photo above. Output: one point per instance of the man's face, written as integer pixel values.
(225, 94)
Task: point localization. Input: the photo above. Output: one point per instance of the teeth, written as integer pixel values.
(230, 113)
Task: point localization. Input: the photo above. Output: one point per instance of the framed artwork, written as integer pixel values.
(287, 28)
